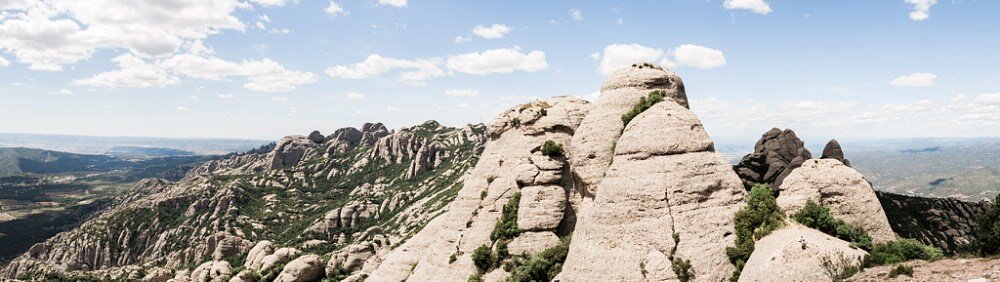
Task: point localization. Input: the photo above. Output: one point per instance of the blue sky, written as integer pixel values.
(268, 68)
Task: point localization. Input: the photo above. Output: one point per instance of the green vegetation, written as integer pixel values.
(839, 267)
(552, 149)
(543, 266)
(818, 217)
(988, 232)
(758, 218)
(901, 269)
(682, 268)
(483, 258)
(643, 105)
(506, 227)
(901, 250)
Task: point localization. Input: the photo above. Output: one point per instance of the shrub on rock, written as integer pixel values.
(818, 217)
(988, 233)
(758, 218)
(901, 250)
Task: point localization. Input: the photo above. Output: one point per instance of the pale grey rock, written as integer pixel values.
(289, 151)
(525, 174)
(255, 258)
(243, 276)
(845, 191)
(541, 207)
(212, 271)
(796, 253)
(280, 256)
(531, 243)
(302, 269)
(158, 274)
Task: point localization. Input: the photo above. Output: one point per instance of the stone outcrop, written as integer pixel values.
(302, 269)
(316, 137)
(515, 136)
(845, 191)
(666, 194)
(945, 223)
(289, 151)
(593, 146)
(832, 150)
(796, 253)
(775, 155)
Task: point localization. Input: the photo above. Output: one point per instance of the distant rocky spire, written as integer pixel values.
(833, 151)
(776, 154)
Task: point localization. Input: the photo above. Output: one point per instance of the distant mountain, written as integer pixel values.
(100, 145)
(146, 152)
(14, 161)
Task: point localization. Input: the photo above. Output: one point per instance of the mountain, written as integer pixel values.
(81, 144)
(626, 188)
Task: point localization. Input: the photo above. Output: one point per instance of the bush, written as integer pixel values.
(542, 266)
(682, 268)
(988, 232)
(758, 218)
(901, 269)
(482, 257)
(506, 227)
(818, 217)
(643, 105)
(839, 267)
(552, 149)
(901, 250)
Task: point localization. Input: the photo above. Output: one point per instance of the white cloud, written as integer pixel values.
(133, 73)
(65, 92)
(461, 93)
(417, 70)
(921, 9)
(576, 14)
(183, 109)
(264, 18)
(262, 75)
(334, 9)
(988, 99)
(394, 3)
(355, 96)
(617, 56)
(4, 62)
(279, 98)
(698, 56)
(225, 96)
(273, 3)
(459, 39)
(920, 79)
(503, 60)
(756, 6)
(194, 97)
(392, 109)
(492, 32)
(50, 35)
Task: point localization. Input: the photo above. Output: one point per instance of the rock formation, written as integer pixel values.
(776, 154)
(941, 222)
(833, 151)
(845, 191)
(796, 253)
(666, 195)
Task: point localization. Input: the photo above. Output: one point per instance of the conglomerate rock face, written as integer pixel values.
(666, 194)
(945, 223)
(776, 154)
(845, 191)
(797, 253)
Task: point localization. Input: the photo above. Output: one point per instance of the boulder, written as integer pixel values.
(797, 253)
(158, 274)
(343, 140)
(593, 144)
(531, 243)
(371, 133)
(255, 258)
(685, 190)
(776, 154)
(845, 191)
(833, 151)
(289, 151)
(212, 271)
(316, 137)
(280, 256)
(541, 207)
(302, 269)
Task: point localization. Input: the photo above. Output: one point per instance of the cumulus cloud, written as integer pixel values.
(4, 62)
(461, 93)
(492, 32)
(225, 96)
(617, 56)
(756, 6)
(273, 3)
(394, 3)
(355, 96)
(183, 109)
(920, 79)
(460, 39)
(392, 109)
(133, 73)
(416, 71)
(697, 56)
(503, 60)
(921, 9)
(576, 14)
(334, 9)
(50, 35)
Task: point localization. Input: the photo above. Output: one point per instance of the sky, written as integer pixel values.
(262, 69)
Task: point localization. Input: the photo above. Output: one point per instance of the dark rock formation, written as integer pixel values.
(372, 132)
(833, 151)
(316, 137)
(945, 223)
(776, 154)
(343, 140)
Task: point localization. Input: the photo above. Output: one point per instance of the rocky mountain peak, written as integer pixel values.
(647, 76)
(775, 155)
(832, 150)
